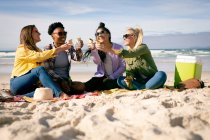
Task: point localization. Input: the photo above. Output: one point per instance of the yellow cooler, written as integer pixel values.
(187, 67)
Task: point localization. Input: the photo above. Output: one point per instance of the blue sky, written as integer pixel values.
(81, 17)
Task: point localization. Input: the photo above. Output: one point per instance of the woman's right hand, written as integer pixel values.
(66, 46)
(91, 44)
(63, 47)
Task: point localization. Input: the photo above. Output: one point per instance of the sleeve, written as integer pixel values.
(33, 56)
(96, 57)
(142, 49)
(120, 70)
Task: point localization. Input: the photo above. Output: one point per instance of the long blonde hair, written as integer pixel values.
(27, 39)
(138, 32)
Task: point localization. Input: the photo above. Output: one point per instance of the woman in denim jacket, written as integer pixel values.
(59, 66)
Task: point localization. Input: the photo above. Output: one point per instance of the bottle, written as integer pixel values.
(78, 44)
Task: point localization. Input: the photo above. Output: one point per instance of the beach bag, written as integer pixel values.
(190, 83)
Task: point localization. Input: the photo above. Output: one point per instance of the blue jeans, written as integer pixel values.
(26, 84)
(157, 81)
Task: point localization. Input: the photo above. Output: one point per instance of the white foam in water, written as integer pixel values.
(7, 54)
(164, 59)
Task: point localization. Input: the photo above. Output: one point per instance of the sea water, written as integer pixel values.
(165, 60)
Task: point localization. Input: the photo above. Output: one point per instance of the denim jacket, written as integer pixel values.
(49, 64)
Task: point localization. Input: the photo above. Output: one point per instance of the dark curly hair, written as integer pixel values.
(53, 26)
(101, 53)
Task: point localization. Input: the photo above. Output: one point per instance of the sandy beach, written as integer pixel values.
(159, 114)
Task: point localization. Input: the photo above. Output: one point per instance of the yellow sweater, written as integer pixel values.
(26, 59)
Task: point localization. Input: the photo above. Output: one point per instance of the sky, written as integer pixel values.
(81, 18)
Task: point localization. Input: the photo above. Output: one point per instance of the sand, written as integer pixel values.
(160, 114)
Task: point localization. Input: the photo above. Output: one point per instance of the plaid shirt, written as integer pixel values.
(49, 64)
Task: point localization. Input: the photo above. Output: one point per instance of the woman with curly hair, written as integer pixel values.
(59, 67)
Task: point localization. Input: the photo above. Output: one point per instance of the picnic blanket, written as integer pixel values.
(5, 96)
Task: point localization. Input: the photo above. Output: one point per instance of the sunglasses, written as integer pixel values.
(98, 33)
(61, 33)
(127, 35)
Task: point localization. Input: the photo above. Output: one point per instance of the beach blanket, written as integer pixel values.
(5, 96)
(28, 99)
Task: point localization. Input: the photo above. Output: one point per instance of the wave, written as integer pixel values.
(155, 52)
(175, 52)
(7, 54)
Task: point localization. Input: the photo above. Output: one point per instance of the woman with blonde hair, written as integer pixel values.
(141, 70)
(27, 71)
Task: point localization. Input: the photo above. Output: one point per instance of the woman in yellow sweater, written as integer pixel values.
(27, 71)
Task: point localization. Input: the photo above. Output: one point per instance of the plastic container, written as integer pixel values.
(187, 67)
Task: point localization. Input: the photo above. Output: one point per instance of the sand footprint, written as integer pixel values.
(187, 122)
(109, 114)
(7, 120)
(148, 96)
(176, 121)
(169, 103)
(44, 120)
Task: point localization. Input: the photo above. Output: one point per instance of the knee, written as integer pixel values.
(162, 75)
(40, 68)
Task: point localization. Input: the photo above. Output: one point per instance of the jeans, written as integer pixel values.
(157, 81)
(27, 83)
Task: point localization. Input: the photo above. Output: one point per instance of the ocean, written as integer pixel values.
(165, 60)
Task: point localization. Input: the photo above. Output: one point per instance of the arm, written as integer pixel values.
(34, 56)
(96, 57)
(142, 49)
(94, 52)
(120, 70)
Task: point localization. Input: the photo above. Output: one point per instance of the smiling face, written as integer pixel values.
(36, 35)
(129, 38)
(59, 35)
(102, 36)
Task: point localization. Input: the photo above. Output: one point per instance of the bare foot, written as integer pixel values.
(64, 96)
